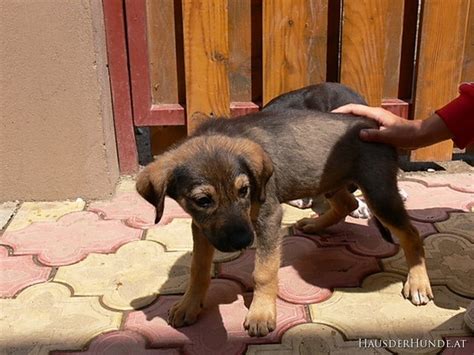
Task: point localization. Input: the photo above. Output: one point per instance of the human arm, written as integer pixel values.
(455, 120)
(398, 131)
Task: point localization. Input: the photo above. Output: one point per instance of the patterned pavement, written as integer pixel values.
(98, 277)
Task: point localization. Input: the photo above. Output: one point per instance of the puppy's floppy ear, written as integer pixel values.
(260, 166)
(151, 185)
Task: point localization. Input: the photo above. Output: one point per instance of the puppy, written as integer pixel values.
(322, 98)
(231, 175)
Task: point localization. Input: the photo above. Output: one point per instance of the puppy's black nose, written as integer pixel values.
(239, 236)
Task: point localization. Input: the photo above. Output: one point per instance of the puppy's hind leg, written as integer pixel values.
(342, 202)
(187, 309)
(386, 204)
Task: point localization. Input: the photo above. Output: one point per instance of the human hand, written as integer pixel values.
(397, 131)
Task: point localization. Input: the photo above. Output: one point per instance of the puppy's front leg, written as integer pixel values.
(186, 310)
(261, 318)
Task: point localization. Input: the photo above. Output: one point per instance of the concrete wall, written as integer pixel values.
(56, 126)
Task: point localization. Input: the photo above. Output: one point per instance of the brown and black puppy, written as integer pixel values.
(231, 175)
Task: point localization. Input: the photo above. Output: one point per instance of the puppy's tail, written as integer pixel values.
(384, 231)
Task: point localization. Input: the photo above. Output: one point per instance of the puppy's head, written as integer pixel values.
(216, 180)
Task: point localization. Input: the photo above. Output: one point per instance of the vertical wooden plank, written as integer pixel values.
(294, 45)
(162, 51)
(240, 47)
(206, 53)
(439, 65)
(468, 64)
(363, 44)
(393, 48)
(120, 85)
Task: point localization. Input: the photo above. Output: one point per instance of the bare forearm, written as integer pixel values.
(430, 131)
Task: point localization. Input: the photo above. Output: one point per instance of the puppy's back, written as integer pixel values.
(323, 97)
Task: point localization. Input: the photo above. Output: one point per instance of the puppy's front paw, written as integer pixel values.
(260, 321)
(417, 288)
(183, 313)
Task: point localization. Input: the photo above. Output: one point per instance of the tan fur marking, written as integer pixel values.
(261, 318)
(241, 181)
(417, 287)
(342, 203)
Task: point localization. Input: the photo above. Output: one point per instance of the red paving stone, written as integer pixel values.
(308, 272)
(219, 329)
(362, 237)
(70, 239)
(463, 182)
(120, 343)
(433, 204)
(467, 347)
(18, 272)
(125, 206)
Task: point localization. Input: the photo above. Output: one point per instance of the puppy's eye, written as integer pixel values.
(243, 191)
(204, 202)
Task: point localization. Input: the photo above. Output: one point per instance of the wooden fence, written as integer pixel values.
(219, 58)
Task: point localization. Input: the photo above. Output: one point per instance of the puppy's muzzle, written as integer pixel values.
(233, 237)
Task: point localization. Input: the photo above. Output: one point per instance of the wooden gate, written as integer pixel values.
(173, 61)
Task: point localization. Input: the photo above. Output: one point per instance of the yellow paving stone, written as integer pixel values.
(132, 277)
(377, 310)
(177, 236)
(6, 211)
(449, 260)
(45, 317)
(126, 184)
(30, 212)
(458, 223)
(313, 338)
(292, 214)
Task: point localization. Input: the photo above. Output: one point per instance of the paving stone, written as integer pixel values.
(131, 278)
(126, 184)
(121, 343)
(359, 235)
(177, 236)
(30, 212)
(313, 338)
(459, 346)
(458, 223)
(69, 239)
(291, 214)
(45, 317)
(432, 204)
(219, 329)
(469, 316)
(6, 211)
(362, 237)
(18, 272)
(128, 206)
(462, 182)
(172, 210)
(308, 272)
(377, 310)
(449, 260)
